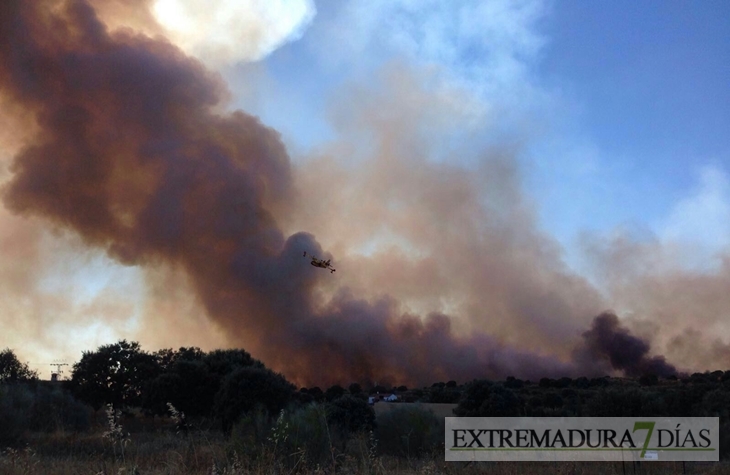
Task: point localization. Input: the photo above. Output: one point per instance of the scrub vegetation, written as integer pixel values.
(223, 412)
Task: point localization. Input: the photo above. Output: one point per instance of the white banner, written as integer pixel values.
(582, 438)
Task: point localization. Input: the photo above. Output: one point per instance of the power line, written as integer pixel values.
(57, 375)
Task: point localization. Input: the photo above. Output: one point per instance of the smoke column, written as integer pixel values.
(609, 341)
(134, 153)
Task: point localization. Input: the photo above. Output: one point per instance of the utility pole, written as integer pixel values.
(57, 375)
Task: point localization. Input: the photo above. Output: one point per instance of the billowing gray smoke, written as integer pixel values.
(133, 155)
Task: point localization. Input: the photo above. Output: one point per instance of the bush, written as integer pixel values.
(484, 399)
(334, 392)
(15, 403)
(631, 402)
(251, 431)
(351, 414)
(444, 396)
(39, 408)
(553, 400)
(56, 409)
(187, 384)
(298, 436)
(310, 435)
(246, 388)
(409, 431)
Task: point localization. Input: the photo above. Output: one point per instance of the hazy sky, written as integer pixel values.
(608, 121)
(623, 107)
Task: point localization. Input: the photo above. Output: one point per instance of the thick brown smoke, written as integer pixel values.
(134, 155)
(607, 340)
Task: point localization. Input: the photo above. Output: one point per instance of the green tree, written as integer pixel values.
(224, 362)
(188, 384)
(626, 402)
(333, 392)
(12, 370)
(485, 399)
(248, 387)
(351, 414)
(114, 374)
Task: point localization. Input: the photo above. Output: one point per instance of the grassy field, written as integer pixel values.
(440, 410)
(206, 454)
(153, 447)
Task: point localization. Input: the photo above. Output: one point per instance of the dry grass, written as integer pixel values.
(208, 453)
(154, 448)
(439, 410)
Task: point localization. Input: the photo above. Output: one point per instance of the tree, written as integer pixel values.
(485, 399)
(167, 356)
(316, 393)
(113, 374)
(617, 402)
(188, 385)
(333, 392)
(249, 387)
(224, 362)
(12, 370)
(352, 414)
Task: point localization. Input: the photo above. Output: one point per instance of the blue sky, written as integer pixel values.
(649, 84)
(626, 103)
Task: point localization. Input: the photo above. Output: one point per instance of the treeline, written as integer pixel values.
(221, 383)
(238, 394)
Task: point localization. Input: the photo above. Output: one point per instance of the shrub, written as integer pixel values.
(15, 403)
(630, 402)
(39, 408)
(409, 431)
(334, 392)
(484, 399)
(351, 414)
(310, 435)
(250, 432)
(246, 388)
(56, 409)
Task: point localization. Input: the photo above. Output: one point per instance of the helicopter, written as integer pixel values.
(321, 263)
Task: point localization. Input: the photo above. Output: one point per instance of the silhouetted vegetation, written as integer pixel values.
(260, 417)
(12, 370)
(410, 431)
(248, 387)
(114, 374)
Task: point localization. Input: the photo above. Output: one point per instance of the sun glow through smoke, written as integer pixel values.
(231, 31)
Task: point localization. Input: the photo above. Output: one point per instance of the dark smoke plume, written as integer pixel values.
(134, 155)
(609, 341)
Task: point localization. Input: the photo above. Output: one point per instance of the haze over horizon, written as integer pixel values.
(489, 179)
